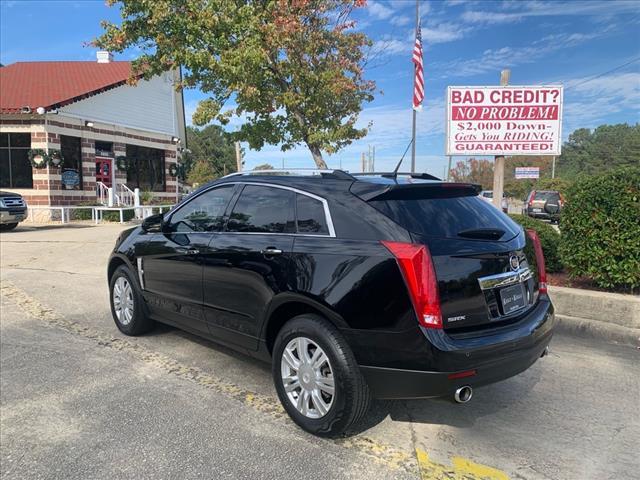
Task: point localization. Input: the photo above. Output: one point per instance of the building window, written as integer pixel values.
(146, 168)
(15, 168)
(71, 151)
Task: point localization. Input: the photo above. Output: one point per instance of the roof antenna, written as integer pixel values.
(394, 175)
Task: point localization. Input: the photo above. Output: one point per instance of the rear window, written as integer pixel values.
(447, 217)
(547, 196)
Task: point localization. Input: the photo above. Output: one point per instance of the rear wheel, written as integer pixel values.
(317, 378)
(127, 305)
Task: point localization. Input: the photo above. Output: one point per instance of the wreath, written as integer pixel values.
(173, 170)
(55, 158)
(121, 162)
(38, 157)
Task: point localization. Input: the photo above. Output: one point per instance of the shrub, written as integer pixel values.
(146, 197)
(114, 215)
(549, 239)
(82, 214)
(601, 229)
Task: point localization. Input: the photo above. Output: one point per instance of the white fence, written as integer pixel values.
(68, 214)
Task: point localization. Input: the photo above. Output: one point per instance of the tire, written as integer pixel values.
(132, 318)
(351, 397)
(5, 227)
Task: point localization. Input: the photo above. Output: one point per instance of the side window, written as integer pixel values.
(204, 213)
(310, 215)
(263, 210)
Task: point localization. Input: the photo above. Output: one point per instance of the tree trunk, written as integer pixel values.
(317, 156)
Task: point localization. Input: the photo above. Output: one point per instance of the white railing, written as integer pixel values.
(104, 194)
(125, 196)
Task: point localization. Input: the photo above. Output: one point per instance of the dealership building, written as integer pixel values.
(78, 132)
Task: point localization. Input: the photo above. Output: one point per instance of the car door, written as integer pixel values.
(173, 261)
(249, 262)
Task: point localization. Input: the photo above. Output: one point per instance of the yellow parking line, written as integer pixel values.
(462, 469)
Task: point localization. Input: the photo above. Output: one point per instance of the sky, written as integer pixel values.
(591, 47)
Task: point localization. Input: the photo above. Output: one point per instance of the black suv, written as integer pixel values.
(352, 286)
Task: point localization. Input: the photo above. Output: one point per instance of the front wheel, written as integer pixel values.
(127, 305)
(317, 378)
(8, 226)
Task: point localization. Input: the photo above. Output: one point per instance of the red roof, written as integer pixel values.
(53, 84)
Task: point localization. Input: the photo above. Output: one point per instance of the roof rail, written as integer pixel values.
(330, 173)
(424, 175)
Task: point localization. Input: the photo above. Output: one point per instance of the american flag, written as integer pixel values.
(418, 82)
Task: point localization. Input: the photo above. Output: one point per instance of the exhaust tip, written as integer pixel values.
(463, 394)
(545, 352)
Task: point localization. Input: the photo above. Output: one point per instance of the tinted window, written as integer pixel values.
(145, 168)
(310, 214)
(264, 210)
(204, 213)
(15, 168)
(70, 149)
(446, 217)
(547, 196)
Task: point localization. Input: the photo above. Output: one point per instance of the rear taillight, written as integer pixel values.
(561, 200)
(417, 268)
(542, 272)
(531, 198)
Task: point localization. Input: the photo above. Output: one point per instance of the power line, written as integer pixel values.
(602, 74)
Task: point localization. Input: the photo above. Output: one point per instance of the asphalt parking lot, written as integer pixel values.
(80, 400)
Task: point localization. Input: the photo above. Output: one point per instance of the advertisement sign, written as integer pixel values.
(527, 172)
(504, 120)
(70, 179)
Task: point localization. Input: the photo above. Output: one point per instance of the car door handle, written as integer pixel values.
(271, 251)
(188, 251)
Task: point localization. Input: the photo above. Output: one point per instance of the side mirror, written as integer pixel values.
(153, 224)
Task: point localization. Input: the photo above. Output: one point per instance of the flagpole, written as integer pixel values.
(413, 127)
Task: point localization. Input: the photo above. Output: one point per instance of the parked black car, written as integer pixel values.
(351, 286)
(545, 204)
(13, 210)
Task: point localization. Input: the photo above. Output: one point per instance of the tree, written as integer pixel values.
(474, 171)
(592, 152)
(201, 172)
(264, 166)
(212, 145)
(293, 69)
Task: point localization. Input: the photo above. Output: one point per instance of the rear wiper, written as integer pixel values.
(483, 233)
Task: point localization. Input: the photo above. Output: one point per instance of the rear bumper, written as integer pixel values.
(494, 357)
(545, 215)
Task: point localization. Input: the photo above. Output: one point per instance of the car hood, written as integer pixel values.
(9, 194)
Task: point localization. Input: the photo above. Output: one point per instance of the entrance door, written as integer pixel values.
(103, 170)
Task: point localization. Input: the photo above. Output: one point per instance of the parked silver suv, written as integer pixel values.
(13, 210)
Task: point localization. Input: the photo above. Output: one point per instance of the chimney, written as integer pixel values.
(104, 57)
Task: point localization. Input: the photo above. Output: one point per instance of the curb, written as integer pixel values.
(593, 329)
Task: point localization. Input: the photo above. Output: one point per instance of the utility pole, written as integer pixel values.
(413, 127)
(553, 167)
(373, 160)
(449, 170)
(362, 161)
(498, 166)
(238, 158)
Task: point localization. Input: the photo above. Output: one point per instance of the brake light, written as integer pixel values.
(416, 265)
(532, 197)
(561, 202)
(542, 272)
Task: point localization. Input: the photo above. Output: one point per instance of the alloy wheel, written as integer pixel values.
(123, 300)
(307, 377)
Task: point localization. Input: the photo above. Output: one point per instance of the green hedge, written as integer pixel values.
(549, 239)
(601, 229)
